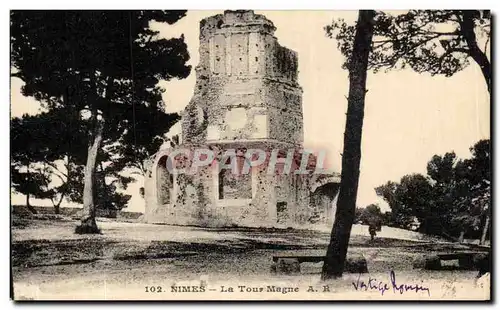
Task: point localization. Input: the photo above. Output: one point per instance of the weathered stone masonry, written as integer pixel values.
(246, 96)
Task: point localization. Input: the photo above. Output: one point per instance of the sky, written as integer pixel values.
(409, 117)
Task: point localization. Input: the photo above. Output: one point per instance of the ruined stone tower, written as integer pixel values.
(246, 82)
(246, 97)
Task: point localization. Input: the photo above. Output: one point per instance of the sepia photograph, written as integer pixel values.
(244, 154)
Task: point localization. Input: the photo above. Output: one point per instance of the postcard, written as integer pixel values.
(250, 155)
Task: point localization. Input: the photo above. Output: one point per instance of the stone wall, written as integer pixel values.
(196, 199)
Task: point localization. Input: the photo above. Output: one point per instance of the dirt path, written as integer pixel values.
(49, 261)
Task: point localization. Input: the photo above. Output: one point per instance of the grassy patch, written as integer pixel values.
(33, 253)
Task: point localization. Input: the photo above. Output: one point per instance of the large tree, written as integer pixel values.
(46, 149)
(371, 215)
(47, 158)
(419, 39)
(453, 200)
(104, 67)
(333, 266)
(431, 41)
(411, 197)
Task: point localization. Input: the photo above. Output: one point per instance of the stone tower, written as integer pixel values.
(246, 97)
(246, 84)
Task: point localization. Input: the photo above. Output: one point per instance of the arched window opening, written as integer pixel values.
(234, 183)
(165, 181)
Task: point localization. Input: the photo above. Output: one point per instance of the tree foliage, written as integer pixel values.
(100, 62)
(47, 151)
(427, 41)
(102, 68)
(452, 200)
(47, 157)
(370, 215)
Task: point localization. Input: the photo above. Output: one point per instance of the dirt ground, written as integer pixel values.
(131, 260)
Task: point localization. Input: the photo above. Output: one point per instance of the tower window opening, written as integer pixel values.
(235, 184)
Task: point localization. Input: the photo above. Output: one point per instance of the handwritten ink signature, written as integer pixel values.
(382, 287)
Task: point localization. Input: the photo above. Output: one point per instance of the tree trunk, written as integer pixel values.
(485, 228)
(333, 266)
(57, 209)
(88, 224)
(467, 29)
(57, 206)
(28, 205)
